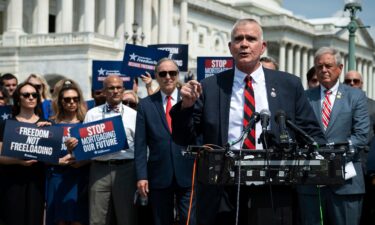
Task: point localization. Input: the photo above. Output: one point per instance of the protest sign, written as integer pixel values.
(27, 141)
(208, 66)
(99, 138)
(178, 52)
(138, 59)
(102, 69)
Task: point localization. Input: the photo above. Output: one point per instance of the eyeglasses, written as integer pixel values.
(172, 73)
(131, 104)
(38, 86)
(112, 88)
(355, 81)
(2, 98)
(27, 95)
(69, 99)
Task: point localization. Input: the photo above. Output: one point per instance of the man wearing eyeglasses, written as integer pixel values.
(112, 177)
(343, 117)
(354, 79)
(166, 174)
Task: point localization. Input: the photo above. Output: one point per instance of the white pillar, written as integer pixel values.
(155, 27)
(290, 60)
(305, 68)
(163, 21)
(87, 21)
(40, 17)
(101, 17)
(14, 14)
(146, 21)
(170, 21)
(311, 59)
(110, 16)
(183, 21)
(365, 77)
(282, 56)
(297, 62)
(129, 16)
(64, 16)
(120, 18)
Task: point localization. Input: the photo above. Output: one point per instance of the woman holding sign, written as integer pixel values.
(22, 181)
(67, 183)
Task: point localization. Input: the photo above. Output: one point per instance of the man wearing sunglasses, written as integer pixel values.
(166, 175)
(354, 79)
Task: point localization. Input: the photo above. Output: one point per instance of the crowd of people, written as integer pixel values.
(114, 188)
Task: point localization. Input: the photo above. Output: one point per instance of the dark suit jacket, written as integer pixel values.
(348, 120)
(210, 114)
(209, 120)
(165, 158)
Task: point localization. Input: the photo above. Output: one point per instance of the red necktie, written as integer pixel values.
(167, 109)
(326, 110)
(249, 109)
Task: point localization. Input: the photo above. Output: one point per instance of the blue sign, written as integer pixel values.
(178, 52)
(138, 59)
(102, 69)
(90, 104)
(27, 141)
(5, 112)
(208, 66)
(99, 138)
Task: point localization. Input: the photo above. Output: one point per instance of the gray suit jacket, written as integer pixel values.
(349, 120)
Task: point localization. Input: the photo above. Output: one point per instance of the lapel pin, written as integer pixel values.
(273, 92)
(338, 96)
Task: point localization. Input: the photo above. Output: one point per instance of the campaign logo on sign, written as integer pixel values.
(208, 66)
(138, 59)
(178, 52)
(27, 141)
(5, 112)
(102, 69)
(99, 138)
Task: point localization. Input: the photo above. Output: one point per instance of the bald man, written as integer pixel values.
(112, 177)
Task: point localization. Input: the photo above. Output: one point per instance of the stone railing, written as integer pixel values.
(78, 38)
(287, 21)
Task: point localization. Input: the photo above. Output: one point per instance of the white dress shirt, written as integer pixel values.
(128, 118)
(174, 97)
(237, 102)
(332, 96)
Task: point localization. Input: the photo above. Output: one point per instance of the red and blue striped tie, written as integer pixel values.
(249, 109)
(326, 110)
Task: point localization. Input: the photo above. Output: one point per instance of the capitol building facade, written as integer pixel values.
(61, 38)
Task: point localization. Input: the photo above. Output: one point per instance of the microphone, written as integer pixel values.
(253, 120)
(265, 115)
(310, 140)
(280, 119)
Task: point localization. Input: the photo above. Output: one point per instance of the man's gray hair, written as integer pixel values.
(328, 50)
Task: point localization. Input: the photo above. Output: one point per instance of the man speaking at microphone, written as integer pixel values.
(218, 109)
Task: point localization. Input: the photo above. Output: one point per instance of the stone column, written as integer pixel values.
(64, 16)
(155, 27)
(110, 16)
(290, 59)
(305, 67)
(14, 14)
(40, 17)
(170, 21)
(87, 20)
(101, 17)
(282, 56)
(311, 59)
(146, 21)
(297, 62)
(129, 16)
(163, 21)
(365, 77)
(183, 21)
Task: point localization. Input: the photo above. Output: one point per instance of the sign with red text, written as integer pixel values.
(99, 138)
(209, 66)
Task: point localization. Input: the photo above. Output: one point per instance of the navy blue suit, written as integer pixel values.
(166, 169)
(210, 118)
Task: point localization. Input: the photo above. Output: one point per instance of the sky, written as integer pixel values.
(311, 9)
